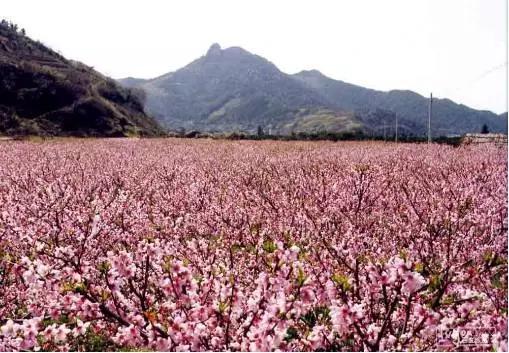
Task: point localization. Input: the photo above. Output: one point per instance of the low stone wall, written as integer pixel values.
(484, 138)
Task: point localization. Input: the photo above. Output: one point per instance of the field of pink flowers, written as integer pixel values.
(219, 245)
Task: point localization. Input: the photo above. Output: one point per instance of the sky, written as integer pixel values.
(453, 48)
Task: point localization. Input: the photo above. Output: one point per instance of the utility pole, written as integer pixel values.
(430, 112)
(396, 128)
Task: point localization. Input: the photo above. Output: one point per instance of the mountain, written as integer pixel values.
(43, 93)
(448, 117)
(231, 90)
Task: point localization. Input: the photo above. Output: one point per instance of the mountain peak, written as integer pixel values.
(214, 49)
(232, 89)
(312, 72)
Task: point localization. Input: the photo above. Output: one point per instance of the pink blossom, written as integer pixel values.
(413, 281)
(216, 245)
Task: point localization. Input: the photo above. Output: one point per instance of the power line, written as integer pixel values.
(469, 83)
(476, 78)
(487, 72)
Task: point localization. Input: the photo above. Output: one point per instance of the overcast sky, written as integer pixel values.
(455, 48)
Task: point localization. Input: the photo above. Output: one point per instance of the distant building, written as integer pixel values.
(484, 138)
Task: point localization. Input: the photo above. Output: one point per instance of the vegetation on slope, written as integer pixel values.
(43, 93)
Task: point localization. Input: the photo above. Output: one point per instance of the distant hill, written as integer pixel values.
(42, 93)
(233, 90)
(448, 117)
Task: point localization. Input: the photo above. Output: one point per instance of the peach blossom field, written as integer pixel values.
(179, 244)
